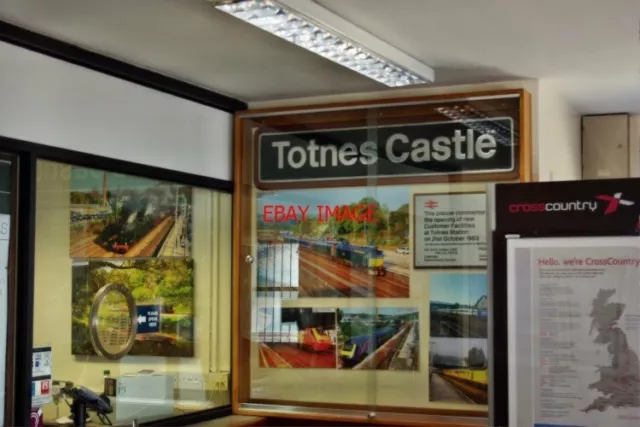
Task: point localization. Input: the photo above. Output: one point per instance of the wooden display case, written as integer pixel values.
(331, 319)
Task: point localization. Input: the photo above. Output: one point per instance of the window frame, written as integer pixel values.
(21, 283)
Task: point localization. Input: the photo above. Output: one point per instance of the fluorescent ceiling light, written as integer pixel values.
(315, 28)
(478, 121)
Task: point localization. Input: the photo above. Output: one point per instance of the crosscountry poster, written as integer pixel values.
(577, 303)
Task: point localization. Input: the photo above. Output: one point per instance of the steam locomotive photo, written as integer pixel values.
(120, 236)
(343, 252)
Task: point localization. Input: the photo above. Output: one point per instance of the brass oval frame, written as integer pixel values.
(93, 316)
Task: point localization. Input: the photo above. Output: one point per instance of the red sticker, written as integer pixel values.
(44, 387)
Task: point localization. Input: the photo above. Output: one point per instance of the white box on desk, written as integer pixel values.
(143, 395)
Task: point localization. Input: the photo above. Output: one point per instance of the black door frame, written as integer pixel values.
(9, 377)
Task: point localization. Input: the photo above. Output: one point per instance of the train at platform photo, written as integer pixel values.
(458, 370)
(378, 338)
(356, 349)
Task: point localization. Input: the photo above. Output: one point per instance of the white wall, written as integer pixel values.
(52, 102)
(559, 143)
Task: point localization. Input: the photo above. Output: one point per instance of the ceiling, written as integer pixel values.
(591, 48)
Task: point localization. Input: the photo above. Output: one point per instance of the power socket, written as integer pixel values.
(188, 381)
(218, 381)
(214, 381)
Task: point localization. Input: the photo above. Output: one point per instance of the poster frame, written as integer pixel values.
(515, 284)
(415, 220)
(506, 228)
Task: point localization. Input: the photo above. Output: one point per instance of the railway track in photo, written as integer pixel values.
(472, 392)
(448, 388)
(288, 355)
(320, 276)
(86, 247)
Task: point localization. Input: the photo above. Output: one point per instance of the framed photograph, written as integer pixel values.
(124, 216)
(296, 337)
(382, 339)
(335, 243)
(458, 370)
(459, 305)
(160, 323)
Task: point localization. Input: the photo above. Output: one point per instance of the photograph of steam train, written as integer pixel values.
(342, 256)
(165, 285)
(296, 337)
(115, 215)
(382, 338)
(458, 370)
(458, 305)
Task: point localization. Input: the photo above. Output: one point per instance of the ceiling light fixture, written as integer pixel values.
(317, 29)
(478, 121)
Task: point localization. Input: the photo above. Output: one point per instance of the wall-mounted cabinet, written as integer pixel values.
(360, 256)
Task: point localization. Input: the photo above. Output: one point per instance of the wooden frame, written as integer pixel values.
(397, 111)
(309, 117)
(440, 267)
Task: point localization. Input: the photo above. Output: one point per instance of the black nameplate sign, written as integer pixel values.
(482, 146)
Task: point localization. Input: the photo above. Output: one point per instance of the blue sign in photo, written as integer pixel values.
(148, 318)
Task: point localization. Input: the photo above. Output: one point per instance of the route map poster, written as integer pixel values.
(450, 230)
(586, 330)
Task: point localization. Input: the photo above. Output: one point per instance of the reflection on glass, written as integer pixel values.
(127, 276)
(114, 323)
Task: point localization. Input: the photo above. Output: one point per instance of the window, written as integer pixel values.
(132, 293)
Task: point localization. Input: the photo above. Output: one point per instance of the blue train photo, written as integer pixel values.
(343, 252)
(384, 338)
(356, 349)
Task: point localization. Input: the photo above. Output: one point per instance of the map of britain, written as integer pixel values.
(619, 383)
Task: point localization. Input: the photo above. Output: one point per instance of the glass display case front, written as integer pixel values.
(361, 255)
